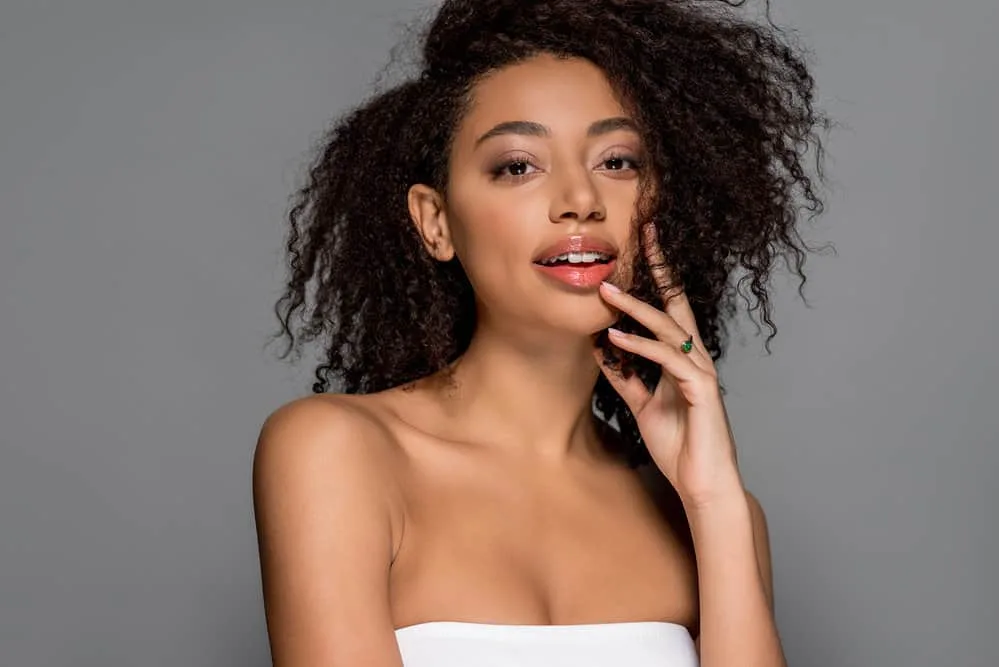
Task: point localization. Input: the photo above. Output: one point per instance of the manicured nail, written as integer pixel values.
(612, 288)
(617, 333)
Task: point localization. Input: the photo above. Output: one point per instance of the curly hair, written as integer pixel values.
(725, 108)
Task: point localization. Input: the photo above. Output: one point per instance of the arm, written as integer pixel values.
(686, 429)
(732, 549)
(324, 529)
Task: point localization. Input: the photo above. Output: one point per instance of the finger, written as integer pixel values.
(675, 300)
(689, 377)
(655, 320)
(660, 323)
(631, 389)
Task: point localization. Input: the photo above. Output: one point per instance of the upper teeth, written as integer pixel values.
(577, 258)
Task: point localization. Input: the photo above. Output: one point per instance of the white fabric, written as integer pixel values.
(467, 644)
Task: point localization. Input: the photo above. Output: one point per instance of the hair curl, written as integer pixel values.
(725, 107)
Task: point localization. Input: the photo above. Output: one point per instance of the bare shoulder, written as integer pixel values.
(756, 510)
(328, 427)
(759, 519)
(329, 440)
(761, 539)
(327, 517)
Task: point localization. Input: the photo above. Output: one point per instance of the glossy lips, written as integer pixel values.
(578, 274)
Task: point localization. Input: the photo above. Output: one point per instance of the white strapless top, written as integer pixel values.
(623, 644)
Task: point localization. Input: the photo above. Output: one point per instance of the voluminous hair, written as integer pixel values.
(725, 106)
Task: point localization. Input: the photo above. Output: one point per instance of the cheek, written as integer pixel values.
(492, 225)
(494, 244)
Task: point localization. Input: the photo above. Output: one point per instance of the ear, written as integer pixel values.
(426, 208)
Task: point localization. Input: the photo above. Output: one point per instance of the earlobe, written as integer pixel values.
(426, 208)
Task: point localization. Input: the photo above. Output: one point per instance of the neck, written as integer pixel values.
(528, 396)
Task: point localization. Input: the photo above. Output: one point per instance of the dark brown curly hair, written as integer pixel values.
(725, 108)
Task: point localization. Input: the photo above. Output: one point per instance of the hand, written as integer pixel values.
(683, 422)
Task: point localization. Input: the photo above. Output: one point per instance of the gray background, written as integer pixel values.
(146, 154)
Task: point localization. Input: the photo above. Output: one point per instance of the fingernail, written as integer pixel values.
(612, 288)
(614, 332)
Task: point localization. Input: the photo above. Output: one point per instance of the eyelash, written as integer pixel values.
(497, 172)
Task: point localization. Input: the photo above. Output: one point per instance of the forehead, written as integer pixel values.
(565, 94)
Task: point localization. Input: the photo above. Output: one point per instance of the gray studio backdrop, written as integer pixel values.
(146, 153)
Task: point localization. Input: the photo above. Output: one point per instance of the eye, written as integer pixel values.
(513, 169)
(622, 162)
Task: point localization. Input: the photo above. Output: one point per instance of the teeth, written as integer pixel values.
(578, 258)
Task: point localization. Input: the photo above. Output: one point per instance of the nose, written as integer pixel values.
(577, 198)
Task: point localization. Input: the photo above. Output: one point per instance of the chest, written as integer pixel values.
(507, 545)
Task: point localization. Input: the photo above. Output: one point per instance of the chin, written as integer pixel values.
(583, 321)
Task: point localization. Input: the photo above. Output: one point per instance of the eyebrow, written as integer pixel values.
(532, 129)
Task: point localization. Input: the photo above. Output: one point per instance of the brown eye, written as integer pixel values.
(517, 168)
(621, 162)
(512, 169)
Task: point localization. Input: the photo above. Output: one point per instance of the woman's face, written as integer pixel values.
(542, 194)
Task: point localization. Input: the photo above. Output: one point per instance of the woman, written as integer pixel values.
(518, 261)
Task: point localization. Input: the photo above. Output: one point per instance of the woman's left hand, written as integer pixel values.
(683, 422)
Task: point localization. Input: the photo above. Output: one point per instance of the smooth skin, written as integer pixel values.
(492, 499)
(687, 431)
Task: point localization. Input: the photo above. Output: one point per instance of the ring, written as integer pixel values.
(687, 345)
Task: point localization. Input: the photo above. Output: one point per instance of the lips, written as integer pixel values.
(576, 243)
(577, 275)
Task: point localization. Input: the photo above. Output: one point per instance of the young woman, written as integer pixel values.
(518, 262)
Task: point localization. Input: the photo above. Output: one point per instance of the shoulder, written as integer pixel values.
(328, 522)
(756, 512)
(323, 424)
(324, 430)
(327, 447)
(761, 540)
(759, 521)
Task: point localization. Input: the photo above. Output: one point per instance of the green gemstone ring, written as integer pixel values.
(687, 345)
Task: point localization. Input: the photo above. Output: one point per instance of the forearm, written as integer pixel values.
(737, 627)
